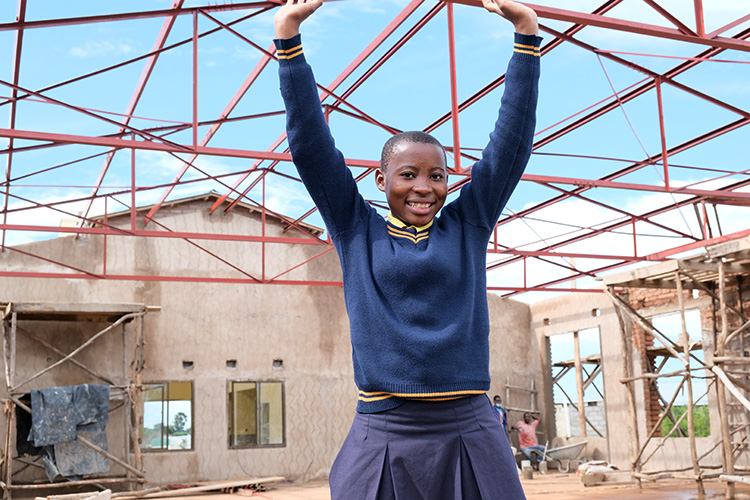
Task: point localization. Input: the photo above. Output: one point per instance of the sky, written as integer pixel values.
(409, 92)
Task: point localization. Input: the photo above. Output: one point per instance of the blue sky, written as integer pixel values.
(410, 91)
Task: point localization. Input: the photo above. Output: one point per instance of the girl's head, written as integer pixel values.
(413, 176)
(413, 136)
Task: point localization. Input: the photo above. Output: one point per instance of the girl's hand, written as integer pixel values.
(523, 18)
(290, 16)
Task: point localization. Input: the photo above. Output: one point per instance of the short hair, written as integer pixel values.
(413, 136)
(497, 397)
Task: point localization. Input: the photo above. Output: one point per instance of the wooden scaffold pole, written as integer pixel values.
(720, 387)
(627, 370)
(579, 384)
(685, 339)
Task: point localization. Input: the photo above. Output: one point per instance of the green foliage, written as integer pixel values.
(700, 421)
(179, 423)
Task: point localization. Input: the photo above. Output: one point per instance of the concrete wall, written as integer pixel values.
(516, 360)
(575, 312)
(209, 324)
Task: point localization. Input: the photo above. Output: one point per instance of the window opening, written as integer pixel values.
(167, 416)
(670, 325)
(565, 383)
(256, 414)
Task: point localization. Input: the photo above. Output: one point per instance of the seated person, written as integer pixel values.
(527, 440)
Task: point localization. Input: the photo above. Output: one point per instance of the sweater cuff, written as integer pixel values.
(527, 44)
(289, 48)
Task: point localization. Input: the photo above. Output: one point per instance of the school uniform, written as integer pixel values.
(417, 305)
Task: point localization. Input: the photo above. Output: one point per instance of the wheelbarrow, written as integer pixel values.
(563, 455)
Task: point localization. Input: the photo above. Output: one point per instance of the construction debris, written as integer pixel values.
(599, 471)
(250, 483)
(202, 487)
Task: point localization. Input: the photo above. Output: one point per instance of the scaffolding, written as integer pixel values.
(718, 274)
(578, 364)
(42, 325)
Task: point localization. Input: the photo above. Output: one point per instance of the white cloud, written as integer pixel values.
(102, 48)
(534, 233)
(287, 198)
(245, 53)
(32, 214)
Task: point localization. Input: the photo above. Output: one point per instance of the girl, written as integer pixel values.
(415, 284)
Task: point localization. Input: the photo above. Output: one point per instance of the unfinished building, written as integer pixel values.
(673, 358)
(209, 381)
(140, 110)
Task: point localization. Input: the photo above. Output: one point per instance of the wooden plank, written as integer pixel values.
(82, 482)
(734, 479)
(214, 485)
(74, 311)
(116, 460)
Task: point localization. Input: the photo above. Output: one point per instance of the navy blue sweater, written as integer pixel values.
(416, 297)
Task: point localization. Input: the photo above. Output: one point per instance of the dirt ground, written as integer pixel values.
(552, 486)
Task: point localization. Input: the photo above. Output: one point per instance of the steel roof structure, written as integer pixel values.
(640, 154)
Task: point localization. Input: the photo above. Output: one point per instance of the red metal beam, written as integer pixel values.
(501, 79)
(542, 289)
(672, 19)
(623, 212)
(713, 195)
(138, 58)
(566, 255)
(699, 23)
(161, 39)
(125, 16)
(113, 231)
(655, 257)
(652, 160)
(613, 104)
(233, 102)
(170, 279)
(616, 225)
(627, 26)
(371, 47)
(454, 90)
(111, 142)
(17, 49)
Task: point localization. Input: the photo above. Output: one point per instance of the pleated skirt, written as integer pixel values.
(445, 450)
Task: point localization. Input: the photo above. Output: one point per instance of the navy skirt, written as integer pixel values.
(443, 450)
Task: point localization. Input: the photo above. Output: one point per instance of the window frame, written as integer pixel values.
(230, 413)
(165, 399)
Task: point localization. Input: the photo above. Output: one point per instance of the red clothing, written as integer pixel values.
(527, 433)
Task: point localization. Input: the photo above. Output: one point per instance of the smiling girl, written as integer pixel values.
(415, 284)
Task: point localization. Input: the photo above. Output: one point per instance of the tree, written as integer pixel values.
(179, 422)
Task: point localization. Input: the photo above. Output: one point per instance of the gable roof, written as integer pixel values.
(214, 196)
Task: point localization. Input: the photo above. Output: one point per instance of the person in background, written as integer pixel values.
(527, 440)
(502, 414)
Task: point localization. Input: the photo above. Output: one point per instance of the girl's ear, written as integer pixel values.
(380, 179)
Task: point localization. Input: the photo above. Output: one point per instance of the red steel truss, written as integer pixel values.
(42, 160)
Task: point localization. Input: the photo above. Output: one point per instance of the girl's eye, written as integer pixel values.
(438, 177)
(408, 175)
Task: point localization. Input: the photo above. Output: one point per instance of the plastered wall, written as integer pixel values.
(199, 327)
(580, 311)
(575, 312)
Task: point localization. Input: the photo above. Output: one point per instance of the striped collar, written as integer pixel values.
(398, 223)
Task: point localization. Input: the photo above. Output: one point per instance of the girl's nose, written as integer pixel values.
(422, 186)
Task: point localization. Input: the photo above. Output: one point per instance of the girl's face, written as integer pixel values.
(415, 182)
